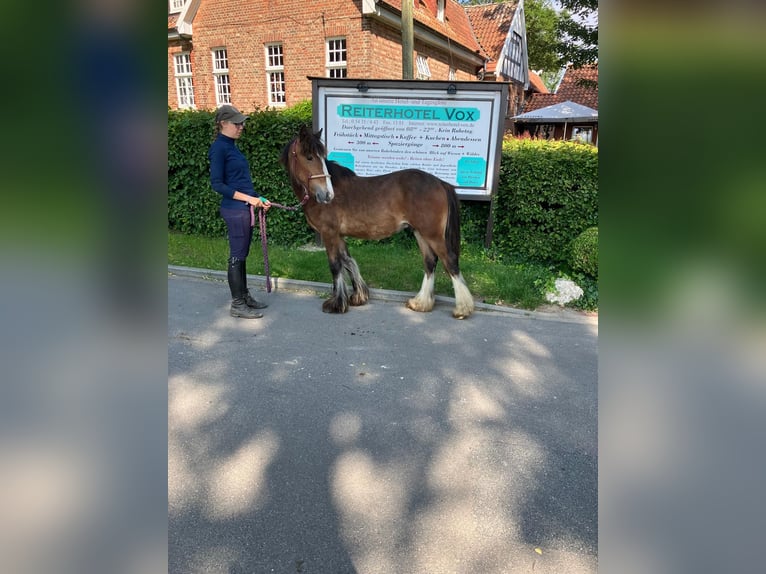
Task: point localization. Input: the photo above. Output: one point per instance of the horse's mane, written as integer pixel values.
(338, 171)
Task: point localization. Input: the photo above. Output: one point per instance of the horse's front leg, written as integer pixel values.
(338, 301)
(360, 292)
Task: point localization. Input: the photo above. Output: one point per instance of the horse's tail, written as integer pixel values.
(452, 230)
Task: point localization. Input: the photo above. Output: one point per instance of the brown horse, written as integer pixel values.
(339, 204)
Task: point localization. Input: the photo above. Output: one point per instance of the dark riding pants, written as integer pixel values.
(239, 230)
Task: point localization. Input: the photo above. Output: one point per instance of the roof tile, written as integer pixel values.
(455, 26)
(571, 89)
(491, 23)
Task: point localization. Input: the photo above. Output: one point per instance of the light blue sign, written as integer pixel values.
(343, 158)
(471, 171)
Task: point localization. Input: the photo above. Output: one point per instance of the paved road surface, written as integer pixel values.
(379, 441)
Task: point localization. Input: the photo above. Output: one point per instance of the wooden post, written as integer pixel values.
(408, 40)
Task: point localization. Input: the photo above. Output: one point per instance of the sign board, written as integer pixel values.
(453, 130)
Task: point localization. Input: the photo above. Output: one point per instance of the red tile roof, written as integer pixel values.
(536, 83)
(455, 26)
(491, 23)
(570, 89)
(580, 86)
(172, 20)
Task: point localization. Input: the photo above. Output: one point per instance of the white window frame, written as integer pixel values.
(275, 74)
(221, 78)
(336, 58)
(513, 63)
(175, 6)
(424, 71)
(184, 82)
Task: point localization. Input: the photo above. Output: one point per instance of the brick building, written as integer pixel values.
(260, 53)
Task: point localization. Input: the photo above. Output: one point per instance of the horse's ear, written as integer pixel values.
(303, 131)
(319, 134)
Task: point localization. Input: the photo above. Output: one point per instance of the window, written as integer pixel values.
(275, 74)
(512, 66)
(184, 85)
(544, 131)
(221, 77)
(424, 72)
(440, 10)
(582, 134)
(176, 5)
(336, 58)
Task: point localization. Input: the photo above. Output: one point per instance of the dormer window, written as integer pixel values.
(176, 5)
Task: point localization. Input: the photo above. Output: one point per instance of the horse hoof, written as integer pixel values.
(415, 305)
(330, 306)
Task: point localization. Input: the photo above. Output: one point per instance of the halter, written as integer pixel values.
(293, 160)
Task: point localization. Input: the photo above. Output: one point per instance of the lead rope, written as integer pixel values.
(262, 229)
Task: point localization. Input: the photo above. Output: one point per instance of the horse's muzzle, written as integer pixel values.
(323, 195)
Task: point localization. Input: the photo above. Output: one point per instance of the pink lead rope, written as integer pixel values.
(262, 229)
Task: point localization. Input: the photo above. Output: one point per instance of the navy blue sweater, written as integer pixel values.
(229, 172)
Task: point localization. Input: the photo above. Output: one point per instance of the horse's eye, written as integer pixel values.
(310, 157)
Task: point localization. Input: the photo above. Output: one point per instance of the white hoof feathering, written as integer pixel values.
(424, 300)
(463, 298)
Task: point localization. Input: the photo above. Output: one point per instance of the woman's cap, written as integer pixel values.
(227, 113)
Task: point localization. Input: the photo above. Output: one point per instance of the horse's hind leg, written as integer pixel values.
(463, 298)
(464, 305)
(424, 300)
(360, 292)
(338, 301)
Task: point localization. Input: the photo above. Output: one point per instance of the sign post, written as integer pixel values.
(453, 130)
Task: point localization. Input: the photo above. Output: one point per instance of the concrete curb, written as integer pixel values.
(296, 285)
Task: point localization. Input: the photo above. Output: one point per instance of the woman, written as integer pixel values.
(230, 176)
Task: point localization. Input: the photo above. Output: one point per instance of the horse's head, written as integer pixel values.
(306, 164)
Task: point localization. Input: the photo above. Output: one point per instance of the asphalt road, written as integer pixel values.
(379, 441)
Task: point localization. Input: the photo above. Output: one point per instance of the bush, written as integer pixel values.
(547, 195)
(193, 205)
(583, 252)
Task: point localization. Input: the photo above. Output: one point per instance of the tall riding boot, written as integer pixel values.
(252, 303)
(236, 276)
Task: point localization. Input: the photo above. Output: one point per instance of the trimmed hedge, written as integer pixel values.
(546, 196)
(193, 205)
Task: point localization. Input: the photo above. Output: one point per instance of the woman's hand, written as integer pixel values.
(262, 202)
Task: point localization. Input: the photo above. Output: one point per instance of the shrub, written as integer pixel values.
(193, 205)
(547, 194)
(583, 252)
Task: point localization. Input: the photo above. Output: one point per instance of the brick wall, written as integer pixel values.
(243, 27)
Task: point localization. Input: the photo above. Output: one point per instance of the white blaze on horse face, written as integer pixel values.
(328, 181)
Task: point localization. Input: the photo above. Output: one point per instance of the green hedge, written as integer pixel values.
(583, 252)
(546, 196)
(193, 205)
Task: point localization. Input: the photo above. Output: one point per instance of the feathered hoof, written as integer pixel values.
(417, 305)
(333, 305)
(358, 299)
(462, 312)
